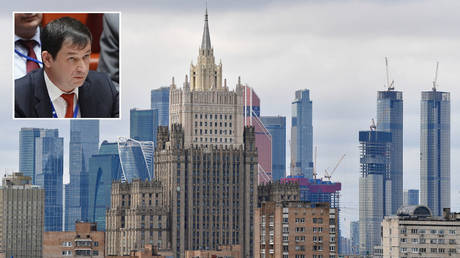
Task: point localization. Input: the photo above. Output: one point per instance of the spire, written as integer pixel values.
(206, 41)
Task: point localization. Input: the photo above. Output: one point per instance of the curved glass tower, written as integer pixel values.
(136, 158)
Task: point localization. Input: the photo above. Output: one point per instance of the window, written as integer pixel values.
(66, 243)
(67, 253)
(96, 253)
(96, 243)
(299, 220)
(299, 229)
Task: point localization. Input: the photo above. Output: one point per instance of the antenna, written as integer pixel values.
(373, 127)
(314, 164)
(389, 85)
(435, 82)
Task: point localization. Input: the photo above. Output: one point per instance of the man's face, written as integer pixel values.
(25, 24)
(70, 67)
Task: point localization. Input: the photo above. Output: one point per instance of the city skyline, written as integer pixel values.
(413, 48)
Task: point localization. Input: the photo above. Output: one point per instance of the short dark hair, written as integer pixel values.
(59, 30)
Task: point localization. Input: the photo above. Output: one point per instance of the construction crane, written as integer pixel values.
(314, 164)
(327, 175)
(435, 77)
(389, 86)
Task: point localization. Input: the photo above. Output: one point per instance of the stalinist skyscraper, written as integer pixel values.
(207, 161)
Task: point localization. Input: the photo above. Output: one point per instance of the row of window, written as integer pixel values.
(80, 253)
(211, 140)
(215, 131)
(431, 231)
(221, 124)
(424, 250)
(80, 243)
(440, 241)
(220, 116)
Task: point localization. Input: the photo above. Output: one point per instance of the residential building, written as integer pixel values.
(159, 100)
(302, 135)
(435, 150)
(84, 142)
(136, 158)
(390, 119)
(137, 217)
(411, 197)
(86, 240)
(104, 168)
(416, 232)
(143, 124)
(232, 251)
(22, 210)
(263, 136)
(296, 229)
(374, 187)
(276, 126)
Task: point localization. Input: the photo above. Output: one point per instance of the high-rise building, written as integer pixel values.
(354, 235)
(159, 100)
(435, 150)
(84, 142)
(276, 125)
(136, 158)
(263, 136)
(207, 161)
(416, 232)
(143, 124)
(40, 153)
(374, 187)
(302, 135)
(22, 207)
(390, 119)
(411, 197)
(137, 217)
(104, 168)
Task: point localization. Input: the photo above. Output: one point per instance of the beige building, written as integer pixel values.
(232, 251)
(137, 217)
(296, 229)
(414, 232)
(21, 217)
(85, 241)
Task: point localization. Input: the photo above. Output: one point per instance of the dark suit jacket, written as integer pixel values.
(97, 97)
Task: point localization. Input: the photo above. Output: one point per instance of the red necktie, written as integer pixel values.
(69, 99)
(29, 45)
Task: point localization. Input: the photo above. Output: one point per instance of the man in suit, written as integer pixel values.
(65, 87)
(27, 47)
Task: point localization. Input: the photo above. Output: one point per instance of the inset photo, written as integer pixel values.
(66, 65)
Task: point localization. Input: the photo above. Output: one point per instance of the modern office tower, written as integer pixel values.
(207, 161)
(263, 136)
(22, 207)
(159, 100)
(276, 125)
(40, 153)
(374, 187)
(143, 124)
(84, 142)
(104, 168)
(302, 135)
(295, 229)
(354, 235)
(416, 232)
(411, 197)
(435, 150)
(136, 159)
(137, 217)
(86, 240)
(390, 119)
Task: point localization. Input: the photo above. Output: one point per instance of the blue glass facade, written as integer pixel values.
(84, 141)
(302, 135)
(143, 124)
(41, 153)
(159, 99)
(390, 119)
(435, 151)
(411, 197)
(104, 168)
(276, 125)
(136, 159)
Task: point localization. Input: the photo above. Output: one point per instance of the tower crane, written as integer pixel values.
(327, 175)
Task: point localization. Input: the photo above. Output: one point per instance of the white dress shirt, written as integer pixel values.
(60, 105)
(20, 67)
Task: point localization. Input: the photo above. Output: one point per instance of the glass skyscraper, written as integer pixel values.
(435, 151)
(302, 135)
(276, 125)
(159, 99)
(104, 168)
(41, 153)
(374, 187)
(136, 158)
(411, 197)
(84, 142)
(143, 124)
(390, 119)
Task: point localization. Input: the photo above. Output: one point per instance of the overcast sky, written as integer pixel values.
(334, 48)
